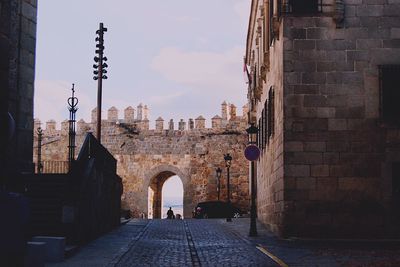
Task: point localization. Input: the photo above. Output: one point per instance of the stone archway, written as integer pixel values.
(155, 179)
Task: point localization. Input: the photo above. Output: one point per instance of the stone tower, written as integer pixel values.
(140, 112)
(129, 115)
(112, 114)
(160, 124)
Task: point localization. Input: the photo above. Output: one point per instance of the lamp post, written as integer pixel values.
(39, 151)
(252, 153)
(218, 171)
(72, 103)
(228, 161)
(100, 73)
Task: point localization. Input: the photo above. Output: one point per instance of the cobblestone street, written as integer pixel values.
(218, 243)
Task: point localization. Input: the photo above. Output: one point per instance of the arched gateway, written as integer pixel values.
(146, 157)
(154, 181)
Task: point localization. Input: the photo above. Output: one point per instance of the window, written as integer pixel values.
(259, 133)
(265, 114)
(271, 112)
(300, 7)
(389, 76)
(271, 21)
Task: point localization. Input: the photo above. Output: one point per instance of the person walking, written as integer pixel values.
(170, 214)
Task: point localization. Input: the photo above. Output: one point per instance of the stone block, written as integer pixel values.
(317, 124)
(315, 101)
(337, 124)
(331, 157)
(304, 66)
(303, 44)
(293, 146)
(341, 170)
(297, 170)
(305, 183)
(353, 112)
(337, 146)
(393, 43)
(320, 170)
(369, 10)
(326, 66)
(391, 10)
(326, 112)
(337, 100)
(315, 146)
(395, 33)
(334, 77)
(317, 33)
(303, 157)
(353, 55)
(297, 33)
(54, 248)
(305, 89)
(313, 78)
(35, 254)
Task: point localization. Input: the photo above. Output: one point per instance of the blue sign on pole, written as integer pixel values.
(252, 152)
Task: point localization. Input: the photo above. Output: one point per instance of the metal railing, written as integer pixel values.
(53, 167)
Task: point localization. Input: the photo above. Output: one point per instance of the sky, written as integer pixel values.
(182, 58)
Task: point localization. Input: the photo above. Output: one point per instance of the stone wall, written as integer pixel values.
(338, 155)
(17, 67)
(147, 156)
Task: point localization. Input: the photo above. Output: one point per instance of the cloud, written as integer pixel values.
(216, 74)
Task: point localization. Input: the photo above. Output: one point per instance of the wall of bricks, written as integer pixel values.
(148, 156)
(335, 146)
(337, 153)
(17, 67)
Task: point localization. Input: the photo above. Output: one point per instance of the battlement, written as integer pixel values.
(228, 120)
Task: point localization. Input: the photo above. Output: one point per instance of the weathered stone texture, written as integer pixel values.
(17, 67)
(147, 158)
(335, 154)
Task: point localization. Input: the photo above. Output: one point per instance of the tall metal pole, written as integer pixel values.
(252, 153)
(72, 103)
(228, 161)
(39, 152)
(229, 219)
(218, 172)
(253, 223)
(99, 72)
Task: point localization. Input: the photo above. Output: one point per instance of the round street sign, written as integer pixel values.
(252, 152)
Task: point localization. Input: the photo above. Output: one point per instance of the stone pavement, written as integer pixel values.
(215, 242)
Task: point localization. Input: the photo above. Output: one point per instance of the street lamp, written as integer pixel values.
(252, 153)
(228, 161)
(218, 171)
(100, 73)
(72, 103)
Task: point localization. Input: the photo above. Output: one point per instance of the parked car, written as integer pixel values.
(215, 209)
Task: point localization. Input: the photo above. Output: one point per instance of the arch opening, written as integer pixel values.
(172, 196)
(165, 190)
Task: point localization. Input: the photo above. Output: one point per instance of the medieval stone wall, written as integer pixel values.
(146, 156)
(338, 154)
(17, 67)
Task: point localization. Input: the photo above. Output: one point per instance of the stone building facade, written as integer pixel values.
(324, 80)
(148, 157)
(17, 71)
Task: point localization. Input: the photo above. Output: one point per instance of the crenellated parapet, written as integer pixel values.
(228, 120)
